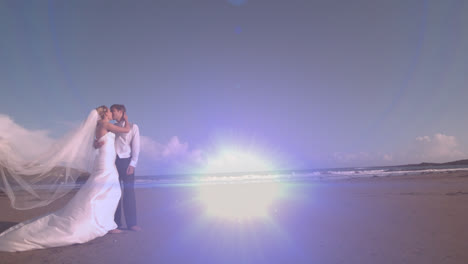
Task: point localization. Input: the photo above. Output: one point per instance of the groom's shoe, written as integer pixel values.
(135, 228)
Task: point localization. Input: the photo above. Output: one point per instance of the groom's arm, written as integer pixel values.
(135, 150)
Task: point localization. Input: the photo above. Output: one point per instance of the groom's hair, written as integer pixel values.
(119, 107)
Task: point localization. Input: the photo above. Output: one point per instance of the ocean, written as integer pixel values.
(329, 174)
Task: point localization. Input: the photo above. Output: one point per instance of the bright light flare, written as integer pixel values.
(240, 196)
(239, 201)
(236, 160)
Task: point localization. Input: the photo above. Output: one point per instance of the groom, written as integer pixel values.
(127, 147)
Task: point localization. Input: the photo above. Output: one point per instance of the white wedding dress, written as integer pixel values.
(88, 215)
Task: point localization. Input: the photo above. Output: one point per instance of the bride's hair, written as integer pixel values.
(102, 110)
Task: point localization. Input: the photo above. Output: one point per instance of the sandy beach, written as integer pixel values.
(404, 219)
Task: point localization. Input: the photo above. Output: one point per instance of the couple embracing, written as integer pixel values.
(96, 208)
(127, 148)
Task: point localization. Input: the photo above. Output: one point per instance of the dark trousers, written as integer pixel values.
(128, 194)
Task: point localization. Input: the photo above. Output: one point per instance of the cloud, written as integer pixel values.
(436, 148)
(423, 139)
(387, 157)
(27, 143)
(172, 149)
(172, 157)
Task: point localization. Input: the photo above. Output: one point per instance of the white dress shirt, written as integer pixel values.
(128, 144)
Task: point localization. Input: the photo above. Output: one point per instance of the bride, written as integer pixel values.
(38, 182)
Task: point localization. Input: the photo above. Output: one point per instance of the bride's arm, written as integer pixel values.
(116, 129)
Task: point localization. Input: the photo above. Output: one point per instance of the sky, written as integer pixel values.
(220, 86)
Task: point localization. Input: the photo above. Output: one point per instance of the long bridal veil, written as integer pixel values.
(38, 181)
